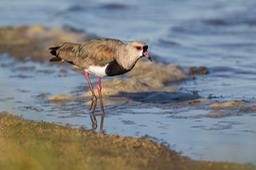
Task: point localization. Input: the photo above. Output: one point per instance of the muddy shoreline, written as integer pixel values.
(148, 84)
(33, 145)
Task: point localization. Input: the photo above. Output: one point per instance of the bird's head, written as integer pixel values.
(139, 49)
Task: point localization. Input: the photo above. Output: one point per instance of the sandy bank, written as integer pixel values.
(38, 145)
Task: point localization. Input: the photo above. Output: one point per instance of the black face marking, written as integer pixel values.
(114, 68)
(145, 48)
(55, 59)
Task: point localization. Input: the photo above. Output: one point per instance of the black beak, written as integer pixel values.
(150, 58)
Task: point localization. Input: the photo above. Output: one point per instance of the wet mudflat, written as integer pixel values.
(146, 102)
(38, 145)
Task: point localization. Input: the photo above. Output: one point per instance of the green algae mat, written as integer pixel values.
(33, 145)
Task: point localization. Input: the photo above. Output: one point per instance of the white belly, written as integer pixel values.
(97, 70)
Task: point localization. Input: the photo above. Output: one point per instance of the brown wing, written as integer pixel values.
(66, 51)
(95, 52)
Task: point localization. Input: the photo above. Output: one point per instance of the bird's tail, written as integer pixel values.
(53, 51)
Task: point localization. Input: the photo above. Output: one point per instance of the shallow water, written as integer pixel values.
(219, 34)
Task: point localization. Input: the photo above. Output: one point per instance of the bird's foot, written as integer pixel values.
(94, 121)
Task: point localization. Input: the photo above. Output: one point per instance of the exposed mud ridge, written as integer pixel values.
(147, 82)
(146, 77)
(33, 145)
(231, 108)
(34, 41)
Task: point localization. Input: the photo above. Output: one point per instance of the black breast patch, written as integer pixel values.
(114, 69)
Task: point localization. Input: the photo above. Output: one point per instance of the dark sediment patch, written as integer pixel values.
(157, 97)
(114, 6)
(198, 70)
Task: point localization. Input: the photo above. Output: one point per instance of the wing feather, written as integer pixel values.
(95, 52)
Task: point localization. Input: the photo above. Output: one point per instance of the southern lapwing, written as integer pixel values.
(101, 57)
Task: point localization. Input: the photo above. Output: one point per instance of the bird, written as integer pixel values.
(100, 57)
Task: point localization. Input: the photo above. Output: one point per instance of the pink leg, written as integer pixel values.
(101, 103)
(94, 98)
(94, 101)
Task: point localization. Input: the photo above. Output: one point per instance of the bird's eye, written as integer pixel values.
(138, 48)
